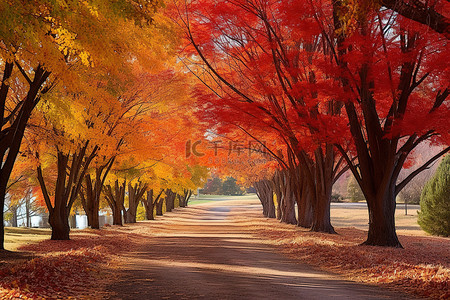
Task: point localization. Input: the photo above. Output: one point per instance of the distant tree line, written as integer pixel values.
(217, 186)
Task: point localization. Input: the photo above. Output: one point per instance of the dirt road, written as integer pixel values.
(209, 252)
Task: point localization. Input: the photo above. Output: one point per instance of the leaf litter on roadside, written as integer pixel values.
(64, 269)
(421, 268)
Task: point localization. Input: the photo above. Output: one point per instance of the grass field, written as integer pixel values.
(208, 198)
(356, 215)
(343, 214)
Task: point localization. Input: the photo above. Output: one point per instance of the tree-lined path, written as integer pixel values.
(210, 251)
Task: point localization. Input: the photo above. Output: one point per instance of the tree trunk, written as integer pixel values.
(27, 210)
(324, 183)
(14, 216)
(382, 220)
(117, 216)
(304, 205)
(270, 205)
(91, 196)
(170, 200)
(183, 199)
(2, 220)
(58, 214)
(131, 216)
(59, 221)
(261, 197)
(149, 206)
(159, 206)
(277, 190)
(88, 202)
(187, 198)
(115, 200)
(289, 210)
(2, 217)
(95, 222)
(73, 221)
(134, 196)
(264, 190)
(303, 196)
(321, 221)
(125, 215)
(288, 203)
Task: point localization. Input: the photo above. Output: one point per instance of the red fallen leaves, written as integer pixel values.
(64, 269)
(422, 268)
(52, 276)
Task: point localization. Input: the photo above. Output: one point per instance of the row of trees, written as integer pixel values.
(322, 86)
(18, 208)
(91, 102)
(334, 86)
(434, 201)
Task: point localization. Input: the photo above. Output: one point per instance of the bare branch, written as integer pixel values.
(425, 166)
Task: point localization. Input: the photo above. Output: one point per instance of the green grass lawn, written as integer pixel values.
(208, 198)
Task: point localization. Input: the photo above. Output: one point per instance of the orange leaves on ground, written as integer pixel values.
(422, 268)
(51, 276)
(64, 269)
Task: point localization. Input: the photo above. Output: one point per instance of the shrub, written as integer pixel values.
(434, 214)
(335, 197)
(354, 191)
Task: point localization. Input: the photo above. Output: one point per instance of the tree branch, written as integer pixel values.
(44, 189)
(405, 181)
(419, 12)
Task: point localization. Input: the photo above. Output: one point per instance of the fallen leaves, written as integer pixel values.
(73, 269)
(422, 268)
(52, 276)
(77, 268)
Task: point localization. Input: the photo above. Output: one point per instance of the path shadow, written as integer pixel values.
(205, 254)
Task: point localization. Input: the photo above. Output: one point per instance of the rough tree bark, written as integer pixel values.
(170, 200)
(261, 196)
(115, 198)
(288, 185)
(304, 204)
(324, 176)
(264, 190)
(90, 200)
(134, 196)
(150, 203)
(159, 206)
